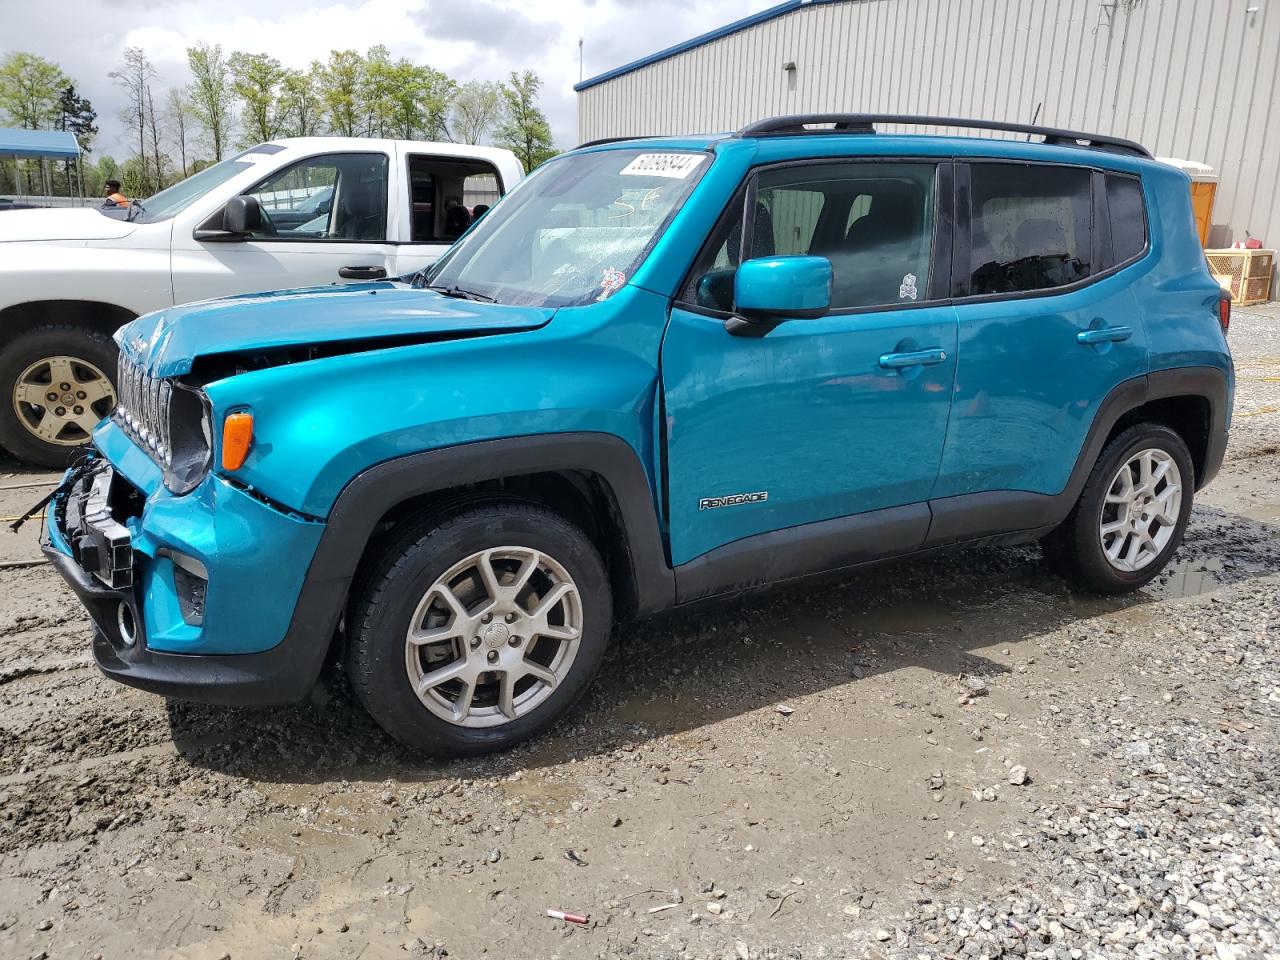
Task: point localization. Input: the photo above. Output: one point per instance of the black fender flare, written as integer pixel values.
(367, 498)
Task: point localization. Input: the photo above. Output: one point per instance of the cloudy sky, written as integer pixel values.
(468, 39)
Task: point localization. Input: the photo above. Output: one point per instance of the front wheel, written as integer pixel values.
(1131, 515)
(479, 628)
(57, 382)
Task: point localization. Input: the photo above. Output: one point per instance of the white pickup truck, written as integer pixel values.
(289, 213)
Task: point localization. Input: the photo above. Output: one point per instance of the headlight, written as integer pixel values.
(168, 420)
(189, 434)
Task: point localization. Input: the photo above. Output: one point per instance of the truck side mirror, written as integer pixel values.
(239, 219)
(242, 216)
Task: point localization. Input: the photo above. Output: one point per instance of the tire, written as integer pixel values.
(52, 355)
(403, 591)
(1079, 548)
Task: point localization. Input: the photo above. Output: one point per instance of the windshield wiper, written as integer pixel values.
(134, 205)
(458, 293)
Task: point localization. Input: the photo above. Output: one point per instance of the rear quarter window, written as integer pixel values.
(1128, 216)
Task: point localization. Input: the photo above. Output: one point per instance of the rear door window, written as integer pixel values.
(1031, 227)
(447, 195)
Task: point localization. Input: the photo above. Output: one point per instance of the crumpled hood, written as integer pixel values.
(79, 223)
(167, 342)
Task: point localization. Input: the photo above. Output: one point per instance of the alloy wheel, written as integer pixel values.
(61, 399)
(494, 636)
(1140, 510)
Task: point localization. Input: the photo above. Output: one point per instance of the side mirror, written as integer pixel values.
(242, 216)
(769, 290)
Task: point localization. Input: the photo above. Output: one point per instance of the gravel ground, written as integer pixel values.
(951, 758)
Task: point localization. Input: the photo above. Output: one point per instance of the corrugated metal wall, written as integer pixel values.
(1196, 79)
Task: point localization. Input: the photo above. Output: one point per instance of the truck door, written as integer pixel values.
(324, 220)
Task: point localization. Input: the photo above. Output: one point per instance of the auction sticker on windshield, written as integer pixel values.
(677, 166)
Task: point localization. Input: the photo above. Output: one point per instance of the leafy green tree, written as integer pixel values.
(256, 79)
(475, 110)
(210, 95)
(77, 115)
(403, 99)
(30, 88)
(301, 108)
(341, 81)
(524, 129)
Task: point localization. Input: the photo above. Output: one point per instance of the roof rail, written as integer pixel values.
(603, 140)
(802, 123)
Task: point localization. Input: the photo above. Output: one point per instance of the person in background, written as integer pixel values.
(114, 197)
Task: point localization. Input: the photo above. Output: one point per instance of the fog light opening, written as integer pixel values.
(127, 626)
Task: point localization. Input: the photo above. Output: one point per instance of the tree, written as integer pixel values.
(210, 94)
(158, 159)
(76, 114)
(476, 108)
(301, 109)
(30, 87)
(134, 77)
(340, 84)
(524, 130)
(256, 79)
(403, 99)
(178, 115)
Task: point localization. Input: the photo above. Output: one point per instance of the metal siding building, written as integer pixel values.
(1196, 79)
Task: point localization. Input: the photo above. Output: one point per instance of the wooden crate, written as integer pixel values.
(1246, 273)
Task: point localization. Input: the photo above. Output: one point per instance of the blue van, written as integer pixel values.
(659, 371)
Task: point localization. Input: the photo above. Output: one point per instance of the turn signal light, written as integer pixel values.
(1224, 311)
(237, 436)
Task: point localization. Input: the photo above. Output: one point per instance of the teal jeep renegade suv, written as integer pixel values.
(659, 371)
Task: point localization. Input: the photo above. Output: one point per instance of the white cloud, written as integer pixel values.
(468, 39)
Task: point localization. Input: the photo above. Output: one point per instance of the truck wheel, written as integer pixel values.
(480, 627)
(1131, 515)
(57, 383)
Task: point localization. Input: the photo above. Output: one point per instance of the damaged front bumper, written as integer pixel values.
(199, 597)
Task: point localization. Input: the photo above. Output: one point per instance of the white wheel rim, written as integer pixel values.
(59, 400)
(1140, 511)
(493, 637)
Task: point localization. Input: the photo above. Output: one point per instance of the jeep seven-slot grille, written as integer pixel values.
(143, 410)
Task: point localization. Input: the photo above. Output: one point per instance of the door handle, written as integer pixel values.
(896, 361)
(1104, 335)
(362, 273)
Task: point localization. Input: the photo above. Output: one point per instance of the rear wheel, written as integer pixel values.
(58, 384)
(479, 628)
(1132, 513)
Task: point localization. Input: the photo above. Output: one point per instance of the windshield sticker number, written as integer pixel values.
(675, 166)
(253, 157)
(612, 281)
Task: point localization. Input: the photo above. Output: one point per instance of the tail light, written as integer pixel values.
(1224, 311)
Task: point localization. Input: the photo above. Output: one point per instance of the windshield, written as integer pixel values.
(172, 201)
(574, 232)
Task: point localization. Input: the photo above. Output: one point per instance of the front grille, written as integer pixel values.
(143, 410)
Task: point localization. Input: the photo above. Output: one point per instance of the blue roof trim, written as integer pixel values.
(729, 28)
(38, 143)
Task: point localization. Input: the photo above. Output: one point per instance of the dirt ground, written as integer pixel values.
(824, 771)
